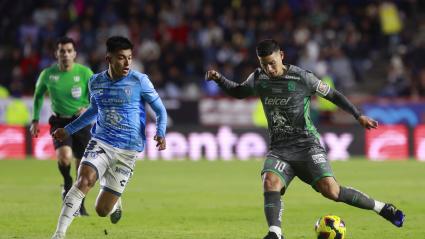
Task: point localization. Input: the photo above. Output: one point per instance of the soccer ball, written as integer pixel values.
(330, 227)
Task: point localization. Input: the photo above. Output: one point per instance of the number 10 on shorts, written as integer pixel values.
(280, 166)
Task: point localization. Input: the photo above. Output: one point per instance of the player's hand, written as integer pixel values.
(160, 142)
(60, 134)
(34, 129)
(367, 122)
(212, 75)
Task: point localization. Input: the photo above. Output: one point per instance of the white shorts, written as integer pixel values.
(114, 166)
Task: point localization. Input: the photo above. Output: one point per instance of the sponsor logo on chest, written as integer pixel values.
(276, 101)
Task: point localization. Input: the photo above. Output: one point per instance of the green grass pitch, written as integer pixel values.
(209, 200)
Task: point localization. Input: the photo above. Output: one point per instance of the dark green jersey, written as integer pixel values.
(286, 103)
(68, 90)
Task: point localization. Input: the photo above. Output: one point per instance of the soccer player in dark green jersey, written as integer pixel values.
(67, 85)
(285, 91)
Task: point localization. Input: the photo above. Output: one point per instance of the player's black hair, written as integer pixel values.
(267, 47)
(117, 43)
(65, 40)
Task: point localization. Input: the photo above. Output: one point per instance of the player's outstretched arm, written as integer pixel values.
(341, 101)
(60, 134)
(231, 88)
(367, 123)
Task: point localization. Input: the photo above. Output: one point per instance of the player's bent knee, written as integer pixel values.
(85, 182)
(272, 182)
(64, 155)
(331, 194)
(328, 188)
(64, 160)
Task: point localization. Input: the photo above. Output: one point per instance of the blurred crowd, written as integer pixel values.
(374, 45)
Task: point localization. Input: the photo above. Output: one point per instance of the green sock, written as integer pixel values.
(355, 198)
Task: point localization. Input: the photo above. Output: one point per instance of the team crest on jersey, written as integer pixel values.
(291, 86)
(127, 90)
(323, 88)
(76, 78)
(54, 77)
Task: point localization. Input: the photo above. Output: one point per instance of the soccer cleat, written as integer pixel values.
(116, 215)
(272, 235)
(58, 235)
(392, 214)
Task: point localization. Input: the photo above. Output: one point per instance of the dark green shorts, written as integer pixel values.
(309, 165)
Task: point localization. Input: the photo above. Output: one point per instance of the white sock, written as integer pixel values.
(70, 207)
(276, 230)
(378, 206)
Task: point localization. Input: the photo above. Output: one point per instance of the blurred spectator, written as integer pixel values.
(418, 84)
(397, 84)
(390, 22)
(176, 41)
(44, 14)
(340, 69)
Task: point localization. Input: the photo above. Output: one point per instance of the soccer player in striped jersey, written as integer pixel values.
(117, 105)
(285, 91)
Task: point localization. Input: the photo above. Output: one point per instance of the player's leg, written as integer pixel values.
(79, 143)
(276, 175)
(63, 154)
(113, 184)
(317, 172)
(87, 178)
(64, 157)
(273, 205)
(93, 166)
(108, 203)
(329, 188)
